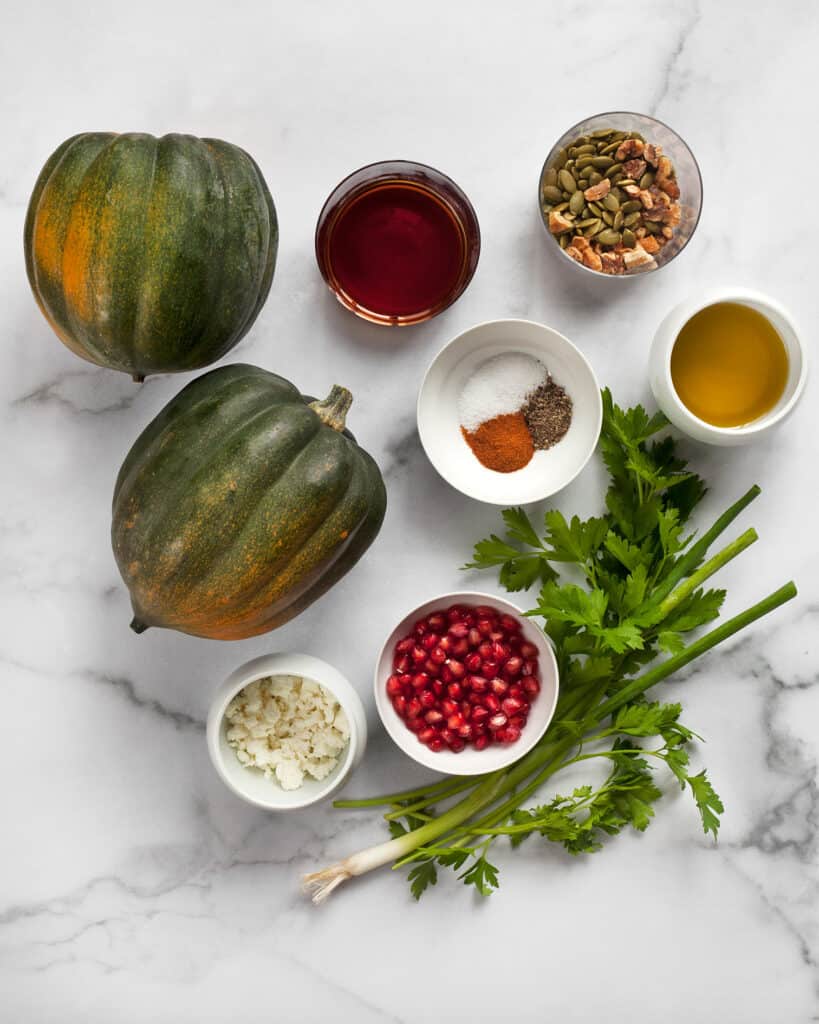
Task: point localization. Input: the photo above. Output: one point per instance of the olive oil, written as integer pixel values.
(729, 365)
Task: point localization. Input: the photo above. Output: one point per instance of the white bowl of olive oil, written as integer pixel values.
(728, 366)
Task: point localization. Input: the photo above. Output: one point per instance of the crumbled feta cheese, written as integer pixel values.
(287, 727)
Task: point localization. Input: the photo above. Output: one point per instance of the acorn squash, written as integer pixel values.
(240, 504)
(150, 255)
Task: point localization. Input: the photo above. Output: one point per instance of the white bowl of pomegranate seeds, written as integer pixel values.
(466, 684)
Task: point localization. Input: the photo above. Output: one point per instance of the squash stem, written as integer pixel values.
(333, 410)
(138, 626)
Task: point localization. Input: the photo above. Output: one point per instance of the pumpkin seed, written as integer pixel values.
(626, 181)
(583, 162)
(647, 180)
(602, 163)
(608, 217)
(582, 183)
(602, 133)
(611, 202)
(631, 205)
(587, 222)
(596, 208)
(653, 228)
(595, 177)
(560, 207)
(577, 202)
(629, 238)
(609, 237)
(587, 148)
(631, 219)
(563, 241)
(610, 148)
(567, 182)
(549, 177)
(617, 223)
(593, 228)
(560, 159)
(615, 169)
(551, 194)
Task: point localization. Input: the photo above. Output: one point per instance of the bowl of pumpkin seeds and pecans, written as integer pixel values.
(620, 194)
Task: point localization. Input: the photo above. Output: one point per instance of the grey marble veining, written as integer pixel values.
(134, 886)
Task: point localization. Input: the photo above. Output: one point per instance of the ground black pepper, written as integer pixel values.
(548, 414)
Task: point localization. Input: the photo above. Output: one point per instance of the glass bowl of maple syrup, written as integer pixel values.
(397, 242)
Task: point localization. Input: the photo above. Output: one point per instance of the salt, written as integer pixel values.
(500, 385)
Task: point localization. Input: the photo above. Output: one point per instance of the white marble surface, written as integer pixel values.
(133, 885)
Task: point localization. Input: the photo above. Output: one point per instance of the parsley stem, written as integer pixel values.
(655, 675)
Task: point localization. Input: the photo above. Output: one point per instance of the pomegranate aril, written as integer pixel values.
(497, 634)
(405, 646)
(447, 735)
(454, 722)
(436, 744)
(497, 721)
(483, 611)
(425, 735)
(446, 643)
(466, 709)
(499, 687)
(438, 655)
(455, 691)
(491, 703)
(415, 724)
(402, 663)
(479, 684)
(485, 626)
(485, 649)
(460, 648)
(420, 681)
(420, 628)
(445, 674)
(529, 667)
(456, 744)
(400, 705)
(437, 621)
(413, 708)
(449, 707)
(508, 735)
(433, 717)
(429, 641)
(394, 686)
(528, 650)
(517, 692)
(479, 715)
(427, 698)
(437, 687)
(518, 721)
(511, 706)
(465, 732)
(475, 698)
(513, 666)
(458, 630)
(418, 654)
(510, 624)
(474, 637)
(473, 662)
(455, 613)
(431, 668)
(489, 668)
(457, 668)
(500, 651)
(481, 742)
(531, 686)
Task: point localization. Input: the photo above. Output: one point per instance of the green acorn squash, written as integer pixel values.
(150, 255)
(240, 504)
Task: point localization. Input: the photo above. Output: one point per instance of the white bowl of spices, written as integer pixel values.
(509, 412)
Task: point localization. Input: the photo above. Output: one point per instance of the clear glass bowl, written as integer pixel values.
(688, 178)
(423, 179)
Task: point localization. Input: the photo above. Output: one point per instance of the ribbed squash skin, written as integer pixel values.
(238, 506)
(150, 255)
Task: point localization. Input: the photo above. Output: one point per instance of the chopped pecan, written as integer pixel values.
(632, 190)
(575, 254)
(598, 191)
(650, 244)
(672, 215)
(665, 171)
(612, 263)
(592, 259)
(579, 242)
(645, 197)
(652, 153)
(635, 168)
(668, 232)
(637, 257)
(558, 223)
(671, 188)
(629, 148)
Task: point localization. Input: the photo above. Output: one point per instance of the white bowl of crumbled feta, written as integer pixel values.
(286, 730)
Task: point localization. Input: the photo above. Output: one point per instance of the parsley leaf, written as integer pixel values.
(483, 875)
(423, 875)
(708, 803)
